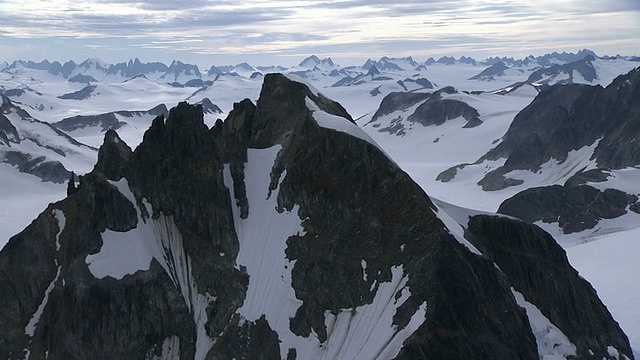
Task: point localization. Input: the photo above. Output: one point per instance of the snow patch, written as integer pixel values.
(59, 215)
(615, 353)
(554, 171)
(367, 332)
(125, 253)
(363, 264)
(552, 343)
(263, 244)
(339, 123)
(455, 225)
(30, 329)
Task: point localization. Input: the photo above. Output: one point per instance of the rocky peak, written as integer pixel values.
(113, 156)
(282, 109)
(373, 71)
(310, 61)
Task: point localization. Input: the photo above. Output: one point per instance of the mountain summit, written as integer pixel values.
(283, 232)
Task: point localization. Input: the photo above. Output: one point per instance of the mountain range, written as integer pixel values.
(184, 222)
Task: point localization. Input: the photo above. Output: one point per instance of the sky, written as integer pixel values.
(283, 32)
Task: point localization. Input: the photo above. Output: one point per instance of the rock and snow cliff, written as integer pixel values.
(283, 232)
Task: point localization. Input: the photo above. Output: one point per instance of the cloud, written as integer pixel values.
(284, 28)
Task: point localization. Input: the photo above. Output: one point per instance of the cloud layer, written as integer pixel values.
(349, 29)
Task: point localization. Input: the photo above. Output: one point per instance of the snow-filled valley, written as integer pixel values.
(606, 255)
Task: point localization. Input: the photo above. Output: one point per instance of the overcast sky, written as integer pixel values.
(265, 32)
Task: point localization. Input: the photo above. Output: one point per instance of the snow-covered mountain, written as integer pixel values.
(428, 118)
(180, 72)
(234, 242)
(314, 62)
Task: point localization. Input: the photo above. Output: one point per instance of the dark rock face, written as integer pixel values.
(583, 177)
(493, 181)
(574, 208)
(13, 92)
(447, 60)
(194, 83)
(538, 268)
(539, 132)
(366, 211)
(178, 67)
(113, 156)
(436, 111)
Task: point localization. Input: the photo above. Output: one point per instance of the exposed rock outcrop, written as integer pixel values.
(574, 208)
(436, 110)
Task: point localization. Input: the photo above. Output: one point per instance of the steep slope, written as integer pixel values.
(282, 232)
(566, 130)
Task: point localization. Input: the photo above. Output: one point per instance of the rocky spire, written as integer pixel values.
(113, 156)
